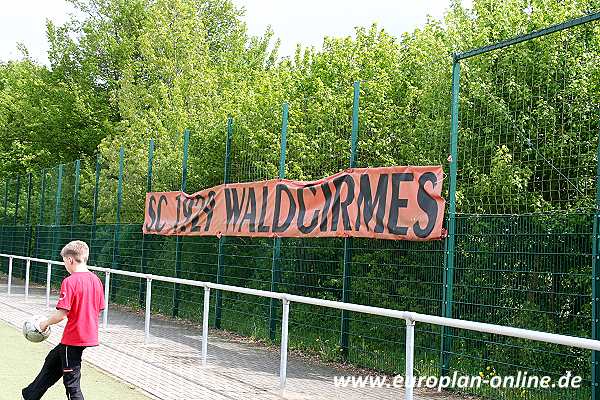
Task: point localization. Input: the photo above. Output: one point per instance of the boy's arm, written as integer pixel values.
(55, 318)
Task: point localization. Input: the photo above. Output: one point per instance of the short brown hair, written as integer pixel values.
(77, 249)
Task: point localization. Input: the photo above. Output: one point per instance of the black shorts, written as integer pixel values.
(70, 357)
(62, 362)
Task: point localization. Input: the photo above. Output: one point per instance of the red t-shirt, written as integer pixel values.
(82, 296)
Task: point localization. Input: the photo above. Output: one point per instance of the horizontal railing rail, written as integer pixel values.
(409, 317)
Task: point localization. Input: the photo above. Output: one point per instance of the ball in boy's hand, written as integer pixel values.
(31, 329)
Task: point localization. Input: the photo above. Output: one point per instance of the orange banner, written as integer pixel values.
(384, 203)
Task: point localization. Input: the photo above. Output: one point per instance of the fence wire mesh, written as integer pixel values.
(526, 201)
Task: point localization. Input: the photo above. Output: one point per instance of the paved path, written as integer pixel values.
(169, 367)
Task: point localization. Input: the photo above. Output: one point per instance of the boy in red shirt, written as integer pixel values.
(81, 300)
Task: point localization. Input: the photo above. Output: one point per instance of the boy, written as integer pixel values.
(81, 300)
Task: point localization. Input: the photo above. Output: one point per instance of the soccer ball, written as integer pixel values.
(31, 329)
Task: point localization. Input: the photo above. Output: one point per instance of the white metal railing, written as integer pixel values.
(410, 317)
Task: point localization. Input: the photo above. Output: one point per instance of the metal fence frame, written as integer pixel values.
(449, 273)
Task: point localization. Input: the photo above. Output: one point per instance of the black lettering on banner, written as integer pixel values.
(199, 199)
(151, 213)
(342, 205)
(379, 200)
(327, 193)
(208, 210)
(302, 210)
(188, 203)
(178, 198)
(233, 206)
(249, 212)
(279, 189)
(427, 204)
(397, 203)
(263, 210)
(307, 210)
(158, 227)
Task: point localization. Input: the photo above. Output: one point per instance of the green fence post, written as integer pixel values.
(95, 209)
(15, 218)
(57, 212)
(28, 206)
(5, 206)
(40, 214)
(28, 228)
(347, 273)
(595, 301)
(75, 217)
(17, 195)
(117, 237)
(222, 239)
(145, 240)
(4, 221)
(596, 285)
(275, 264)
(178, 240)
(446, 337)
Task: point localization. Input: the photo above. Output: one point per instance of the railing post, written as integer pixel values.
(27, 269)
(148, 310)
(117, 237)
(275, 264)
(48, 284)
(178, 240)
(446, 337)
(106, 299)
(10, 270)
(221, 253)
(409, 360)
(205, 313)
(145, 240)
(284, 344)
(347, 273)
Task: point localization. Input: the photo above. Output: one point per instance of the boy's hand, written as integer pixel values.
(40, 324)
(43, 326)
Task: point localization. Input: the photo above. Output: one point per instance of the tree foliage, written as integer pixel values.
(128, 71)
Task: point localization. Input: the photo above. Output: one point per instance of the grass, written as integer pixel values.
(20, 362)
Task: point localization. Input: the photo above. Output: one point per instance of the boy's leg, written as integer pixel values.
(71, 371)
(48, 376)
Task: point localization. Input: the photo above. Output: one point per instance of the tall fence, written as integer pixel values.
(522, 220)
